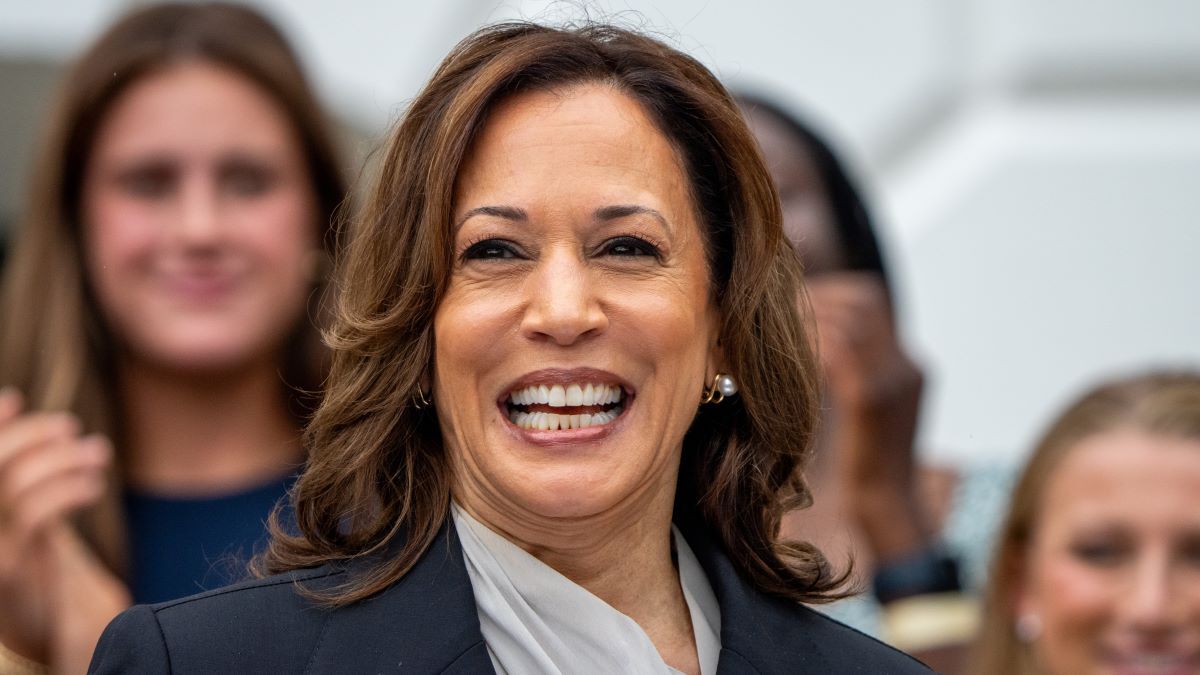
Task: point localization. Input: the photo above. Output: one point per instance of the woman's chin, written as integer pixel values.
(207, 359)
(570, 474)
(567, 494)
(573, 504)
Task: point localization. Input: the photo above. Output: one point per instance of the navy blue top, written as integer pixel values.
(181, 546)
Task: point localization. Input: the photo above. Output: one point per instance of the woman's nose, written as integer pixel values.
(1153, 604)
(562, 303)
(198, 221)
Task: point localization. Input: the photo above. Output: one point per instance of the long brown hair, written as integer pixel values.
(1164, 404)
(54, 346)
(378, 477)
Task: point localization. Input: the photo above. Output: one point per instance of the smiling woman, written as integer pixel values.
(599, 283)
(570, 399)
(156, 348)
(198, 159)
(1097, 569)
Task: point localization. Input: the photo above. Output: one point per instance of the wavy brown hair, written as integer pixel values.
(378, 477)
(54, 345)
(1160, 404)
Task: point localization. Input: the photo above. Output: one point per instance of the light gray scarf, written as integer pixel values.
(535, 620)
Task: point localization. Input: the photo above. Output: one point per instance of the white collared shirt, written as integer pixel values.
(535, 620)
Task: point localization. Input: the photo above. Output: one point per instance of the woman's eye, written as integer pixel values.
(629, 246)
(148, 183)
(1190, 552)
(490, 249)
(247, 181)
(1099, 553)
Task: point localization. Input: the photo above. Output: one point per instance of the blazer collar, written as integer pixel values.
(424, 623)
(759, 633)
(428, 623)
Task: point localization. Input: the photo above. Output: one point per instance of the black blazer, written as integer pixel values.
(427, 623)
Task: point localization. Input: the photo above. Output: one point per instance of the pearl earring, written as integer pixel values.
(726, 385)
(1028, 627)
(722, 385)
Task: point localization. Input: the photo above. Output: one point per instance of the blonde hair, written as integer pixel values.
(1163, 404)
(54, 345)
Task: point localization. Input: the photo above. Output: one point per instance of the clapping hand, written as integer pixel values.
(57, 596)
(875, 390)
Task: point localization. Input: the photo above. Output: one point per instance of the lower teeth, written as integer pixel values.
(542, 421)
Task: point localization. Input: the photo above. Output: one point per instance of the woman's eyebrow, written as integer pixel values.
(604, 213)
(505, 212)
(618, 211)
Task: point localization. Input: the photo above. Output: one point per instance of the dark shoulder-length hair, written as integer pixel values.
(378, 477)
(853, 226)
(54, 345)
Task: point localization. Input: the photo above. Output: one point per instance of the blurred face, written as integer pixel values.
(1114, 566)
(199, 220)
(575, 338)
(807, 213)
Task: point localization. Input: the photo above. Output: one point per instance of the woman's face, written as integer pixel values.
(578, 329)
(199, 220)
(808, 219)
(1113, 568)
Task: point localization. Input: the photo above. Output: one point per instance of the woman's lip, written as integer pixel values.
(1164, 659)
(200, 286)
(563, 437)
(565, 376)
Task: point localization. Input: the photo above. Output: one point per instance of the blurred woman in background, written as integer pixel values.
(156, 345)
(1098, 565)
(873, 504)
(863, 475)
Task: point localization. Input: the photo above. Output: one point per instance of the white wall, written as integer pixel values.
(1036, 164)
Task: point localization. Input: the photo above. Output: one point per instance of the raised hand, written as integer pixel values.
(874, 389)
(52, 588)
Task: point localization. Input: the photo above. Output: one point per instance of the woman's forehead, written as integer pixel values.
(588, 144)
(1123, 472)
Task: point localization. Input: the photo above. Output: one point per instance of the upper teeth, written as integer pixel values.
(558, 396)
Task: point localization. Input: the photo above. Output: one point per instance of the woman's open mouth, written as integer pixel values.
(559, 407)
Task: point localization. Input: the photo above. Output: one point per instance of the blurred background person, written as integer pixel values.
(1098, 565)
(873, 504)
(157, 345)
(871, 498)
(863, 476)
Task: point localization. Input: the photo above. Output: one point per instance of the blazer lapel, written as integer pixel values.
(428, 623)
(759, 633)
(425, 623)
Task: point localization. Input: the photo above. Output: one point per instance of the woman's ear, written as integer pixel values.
(716, 362)
(1023, 606)
(426, 378)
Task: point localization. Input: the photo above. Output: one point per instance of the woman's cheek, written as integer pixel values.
(1077, 603)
